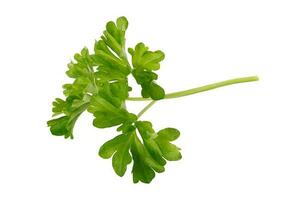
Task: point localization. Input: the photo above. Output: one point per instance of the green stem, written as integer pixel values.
(145, 109)
(199, 89)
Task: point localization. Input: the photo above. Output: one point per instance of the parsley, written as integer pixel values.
(100, 86)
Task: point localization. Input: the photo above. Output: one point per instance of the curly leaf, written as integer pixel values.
(144, 62)
(63, 126)
(114, 35)
(144, 165)
(158, 145)
(169, 151)
(118, 147)
(144, 59)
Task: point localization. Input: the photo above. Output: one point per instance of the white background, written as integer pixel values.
(238, 142)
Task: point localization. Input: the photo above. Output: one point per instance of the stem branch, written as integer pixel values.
(145, 109)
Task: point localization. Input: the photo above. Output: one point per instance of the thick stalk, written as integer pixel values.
(201, 89)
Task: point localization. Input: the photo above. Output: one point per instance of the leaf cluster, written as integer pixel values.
(100, 86)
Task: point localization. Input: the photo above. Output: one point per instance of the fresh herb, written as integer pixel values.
(101, 87)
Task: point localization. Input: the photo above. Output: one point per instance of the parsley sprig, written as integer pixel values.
(100, 86)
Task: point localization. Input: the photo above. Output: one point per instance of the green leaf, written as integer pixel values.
(116, 92)
(110, 147)
(155, 91)
(114, 35)
(104, 59)
(158, 145)
(58, 126)
(79, 87)
(110, 57)
(108, 115)
(154, 150)
(58, 106)
(144, 62)
(148, 134)
(122, 23)
(63, 126)
(144, 59)
(169, 151)
(169, 134)
(82, 70)
(82, 66)
(140, 171)
(118, 147)
(121, 159)
(145, 129)
(144, 165)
